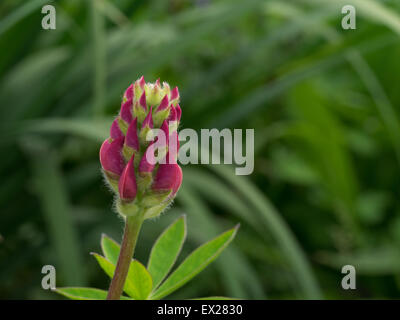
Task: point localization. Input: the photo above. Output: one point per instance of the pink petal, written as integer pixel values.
(132, 139)
(129, 92)
(142, 101)
(148, 121)
(165, 130)
(164, 103)
(178, 112)
(127, 183)
(126, 111)
(111, 157)
(142, 82)
(174, 93)
(168, 177)
(145, 164)
(173, 149)
(115, 131)
(173, 116)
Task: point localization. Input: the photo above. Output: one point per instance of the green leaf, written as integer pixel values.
(215, 298)
(141, 279)
(195, 263)
(166, 250)
(110, 249)
(77, 293)
(138, 283)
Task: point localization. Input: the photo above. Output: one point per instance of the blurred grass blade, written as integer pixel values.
(49, 187)
(240, 279)
(99, 60)
(277, 226)
(95, 130)
(26, 9)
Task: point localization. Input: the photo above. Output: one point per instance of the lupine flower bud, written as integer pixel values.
(115, 131)
(168, 178)
(129, 160)
(127, 182)
(111, 159)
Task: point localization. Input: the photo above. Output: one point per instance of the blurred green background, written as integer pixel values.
(324, 103)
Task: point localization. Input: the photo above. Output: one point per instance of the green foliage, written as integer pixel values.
(142, 284)
(165, 251)
(324, 104)
(85, 293)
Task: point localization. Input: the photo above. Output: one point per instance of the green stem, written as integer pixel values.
(131, 233)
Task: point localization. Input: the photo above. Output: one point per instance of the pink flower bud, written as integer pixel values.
(132, 139)
(110, 156)
(165, 129)
(168, 177)
(175, 94)
(142, 101)
(147, 163)
(115, 131)
(173, 147)
(129, 92)
(148, 121)
(163, 104)
(142, 82)
(178, 112)
(173, 115)
(126, 111)
(127, 186)
(130, 171)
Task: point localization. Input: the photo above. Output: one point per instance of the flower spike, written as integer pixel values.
(140, 167)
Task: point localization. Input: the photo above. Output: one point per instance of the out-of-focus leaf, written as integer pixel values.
(378, 261)
(273, 222)
(52, 194)
(214, 298)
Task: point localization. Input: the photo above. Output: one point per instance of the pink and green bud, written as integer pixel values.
(125, 115)
(174, 99)
(178, 112)
(111, 160)
(115, 131)
(128, 93)
(144, 174)
(127, 183)
(140, 108)
(148, 161)
(131, 140)
(147, 127)
(168, 178)
(173, 121)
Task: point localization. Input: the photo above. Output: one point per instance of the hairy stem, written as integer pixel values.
(131, 233)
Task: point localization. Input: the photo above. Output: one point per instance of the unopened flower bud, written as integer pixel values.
(111, 159)
(127, 183)
(168, 178)
(138, 161)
